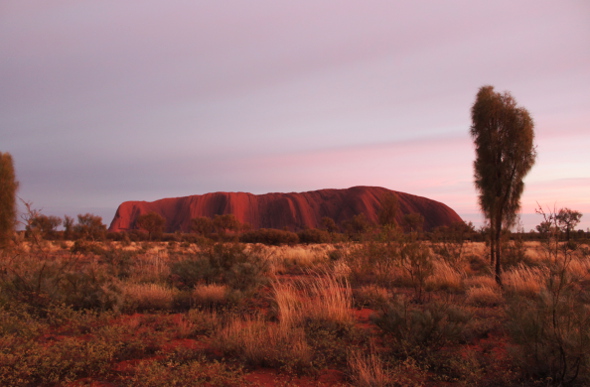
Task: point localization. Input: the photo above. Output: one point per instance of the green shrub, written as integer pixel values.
(270, 236)
(28, 363)
(416, 330)
(181, 372)
(235, 265)
(313, 235)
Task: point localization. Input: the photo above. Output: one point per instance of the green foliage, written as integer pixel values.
(413, 222)
(415, 258)
(90, 227)
(270, 236)
(231, 264)
(356, 226)
(151, 222)
(449, 241)
(8, 188)
(45, 225)
(313, 235)
(329, 224)
(503, 136)
(416, 330)
(389, 210)
(184, 371)
(203, 226)
(26, 363)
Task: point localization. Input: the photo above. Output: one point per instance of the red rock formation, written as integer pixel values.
(294, 211)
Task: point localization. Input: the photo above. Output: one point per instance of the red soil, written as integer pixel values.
(293, 211)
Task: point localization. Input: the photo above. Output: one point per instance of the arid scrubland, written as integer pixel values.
(399, 311)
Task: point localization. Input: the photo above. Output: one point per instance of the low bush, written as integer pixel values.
(415, 330)
(270, 236)
(313, 235)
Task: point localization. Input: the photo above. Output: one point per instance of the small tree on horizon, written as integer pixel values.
(567, 220)
(503, 136)
(151, 222)
(8, 188)
(45, 224)
(90, 227)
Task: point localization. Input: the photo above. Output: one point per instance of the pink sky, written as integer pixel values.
(107, 101)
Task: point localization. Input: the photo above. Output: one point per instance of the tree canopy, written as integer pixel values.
(503, 135)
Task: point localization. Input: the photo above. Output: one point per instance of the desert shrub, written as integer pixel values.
(416, 330)
(553, 339)
(90, 288)
(331, 340)
(371, 296)
(15, 319)
(187, 273)
(374, 262)
(449, 242)
(118, 261)
(203, 322)
(551, 328)
(416, 260)
(27, 363)
(270, 236)
(313, 235)
(39, 282)
(235, 265)
(514, 253)
(172, 371)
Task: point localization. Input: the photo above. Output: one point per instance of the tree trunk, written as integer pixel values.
(497, 241)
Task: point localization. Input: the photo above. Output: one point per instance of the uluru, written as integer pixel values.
(291, 211)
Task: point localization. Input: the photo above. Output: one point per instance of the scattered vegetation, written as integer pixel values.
(396, 307)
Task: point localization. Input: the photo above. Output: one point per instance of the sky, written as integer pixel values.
(105, 101)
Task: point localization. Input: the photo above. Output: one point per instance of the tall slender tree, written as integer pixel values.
(8, 187)
(503, 135)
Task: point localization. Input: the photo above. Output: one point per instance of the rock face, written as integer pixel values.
(293, 211)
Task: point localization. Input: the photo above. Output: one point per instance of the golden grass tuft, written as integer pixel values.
(260, 343)
(148, 296)
(324, 297)
(367, 370)
(210, 295)
(445, 277)
(524, 281)
(484, 296)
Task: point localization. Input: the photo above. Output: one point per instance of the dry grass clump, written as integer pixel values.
(327, 298)
(260, 343)
(367, 370)
(484, 296)
(524, 281)
(150, 267)
(210, 295)
(445, 277)
(284, 258)
(148, 297)
(579, 267)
